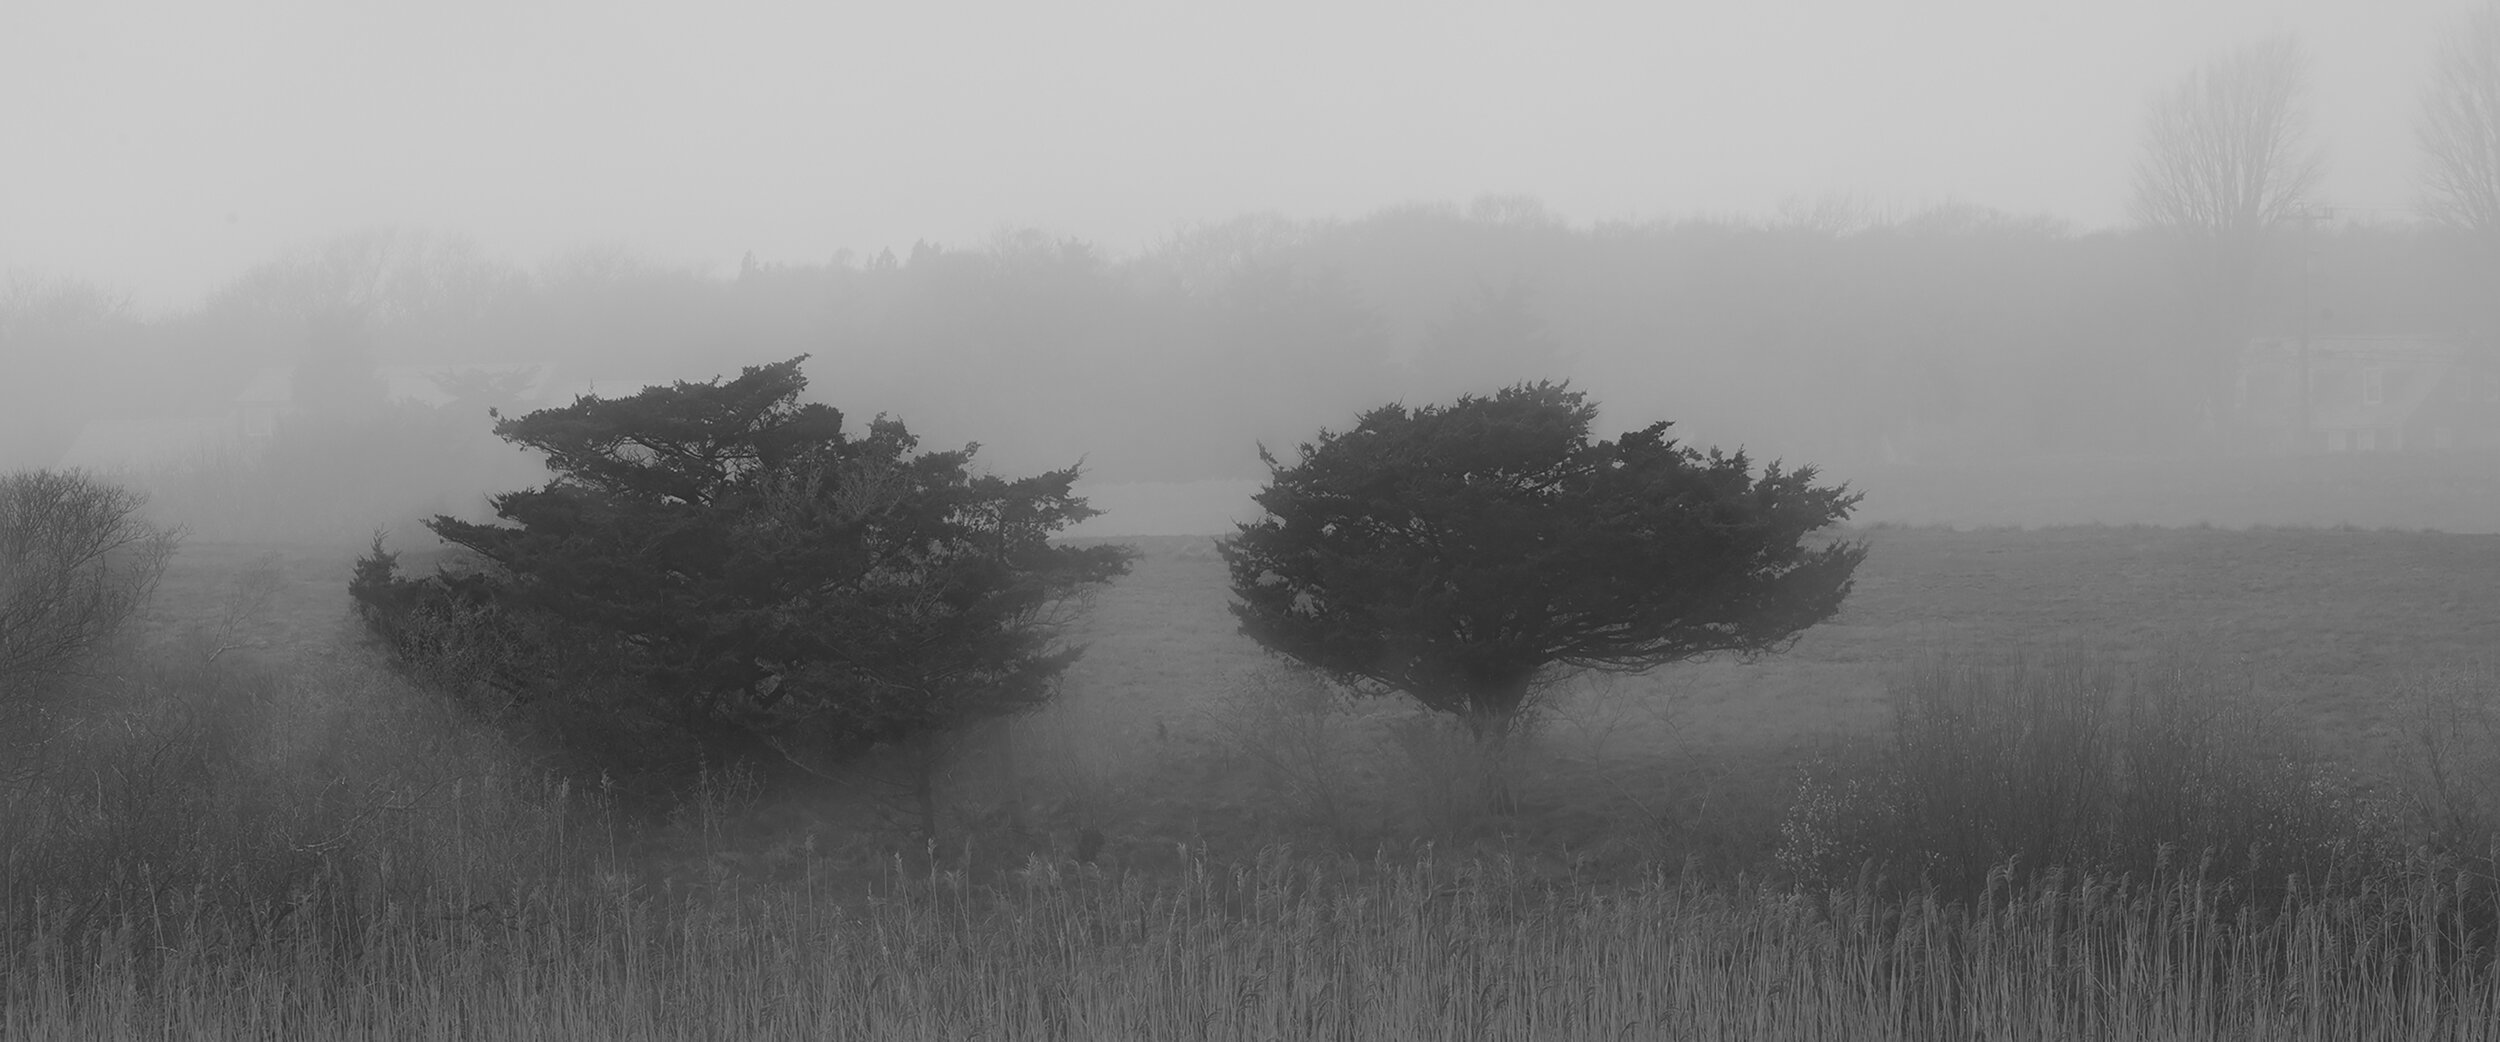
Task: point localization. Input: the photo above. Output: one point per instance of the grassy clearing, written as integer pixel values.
(242, 829)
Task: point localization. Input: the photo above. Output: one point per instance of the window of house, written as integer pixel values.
(2373, 385)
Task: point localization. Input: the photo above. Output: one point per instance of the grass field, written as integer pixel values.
(2324, 627)
(1275, 860)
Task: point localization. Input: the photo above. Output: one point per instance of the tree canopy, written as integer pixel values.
(720, 562)
(1463, 553)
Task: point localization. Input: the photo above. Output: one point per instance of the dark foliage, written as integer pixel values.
(717, 570)
(1462, 553)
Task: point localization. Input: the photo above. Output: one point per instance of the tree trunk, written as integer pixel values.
(924, 787)
(1492, 719)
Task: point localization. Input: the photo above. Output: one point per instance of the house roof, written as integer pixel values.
(429, 385)
(138, 443)
(2339, 361)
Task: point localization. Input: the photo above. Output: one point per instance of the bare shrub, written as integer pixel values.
(1296, 730)
(2075, 761)
(76, 560)
(2455, 781)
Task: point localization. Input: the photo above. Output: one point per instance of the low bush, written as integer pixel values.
(77, 558)
(232, 796)
(2081, 763)
(2454, 776)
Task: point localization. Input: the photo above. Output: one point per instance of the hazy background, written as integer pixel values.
(1884, 238)
(164, 147)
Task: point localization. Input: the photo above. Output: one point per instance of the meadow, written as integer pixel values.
(249, 830)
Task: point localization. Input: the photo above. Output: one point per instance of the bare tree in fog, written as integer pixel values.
(77, 558)
(2227, 150)
(2227, 156)
(2460, 128)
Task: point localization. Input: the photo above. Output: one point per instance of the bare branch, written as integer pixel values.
(2459, 132)
(2227, 150)
(76, 560)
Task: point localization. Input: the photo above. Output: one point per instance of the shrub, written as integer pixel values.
(76, 560)
(2455, 776)
(2080, 763)
(220, 801)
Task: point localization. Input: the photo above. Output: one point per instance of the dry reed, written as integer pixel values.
(1283, 947)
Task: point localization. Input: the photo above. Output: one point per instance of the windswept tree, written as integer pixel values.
(1466, 554)
(2460, 129)
(719, 566)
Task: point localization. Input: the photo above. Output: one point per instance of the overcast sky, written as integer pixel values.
(162, 147)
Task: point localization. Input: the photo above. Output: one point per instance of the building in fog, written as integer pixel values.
(2365, 394)
(242, 425)
(278, 392)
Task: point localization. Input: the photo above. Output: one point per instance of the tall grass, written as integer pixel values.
(183, 789)
(2455, 777)
(1281, 947)
(215, 845)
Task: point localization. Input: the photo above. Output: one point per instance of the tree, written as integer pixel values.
(76, 560)
(2460, 137)
(718, 563)
(1464, 554)
(2226, 151)
(2460, 128)
(2226, 158)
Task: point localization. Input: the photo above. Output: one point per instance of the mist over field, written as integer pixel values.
(1823, 235)
(1958, 364)
(619, 520)
(1866, 242)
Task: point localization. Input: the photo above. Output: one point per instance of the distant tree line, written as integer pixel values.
(1844, 333)
(1849, 332)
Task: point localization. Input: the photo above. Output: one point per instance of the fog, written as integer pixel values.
(2154, 346)
(162, 149)
(1892, 242)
